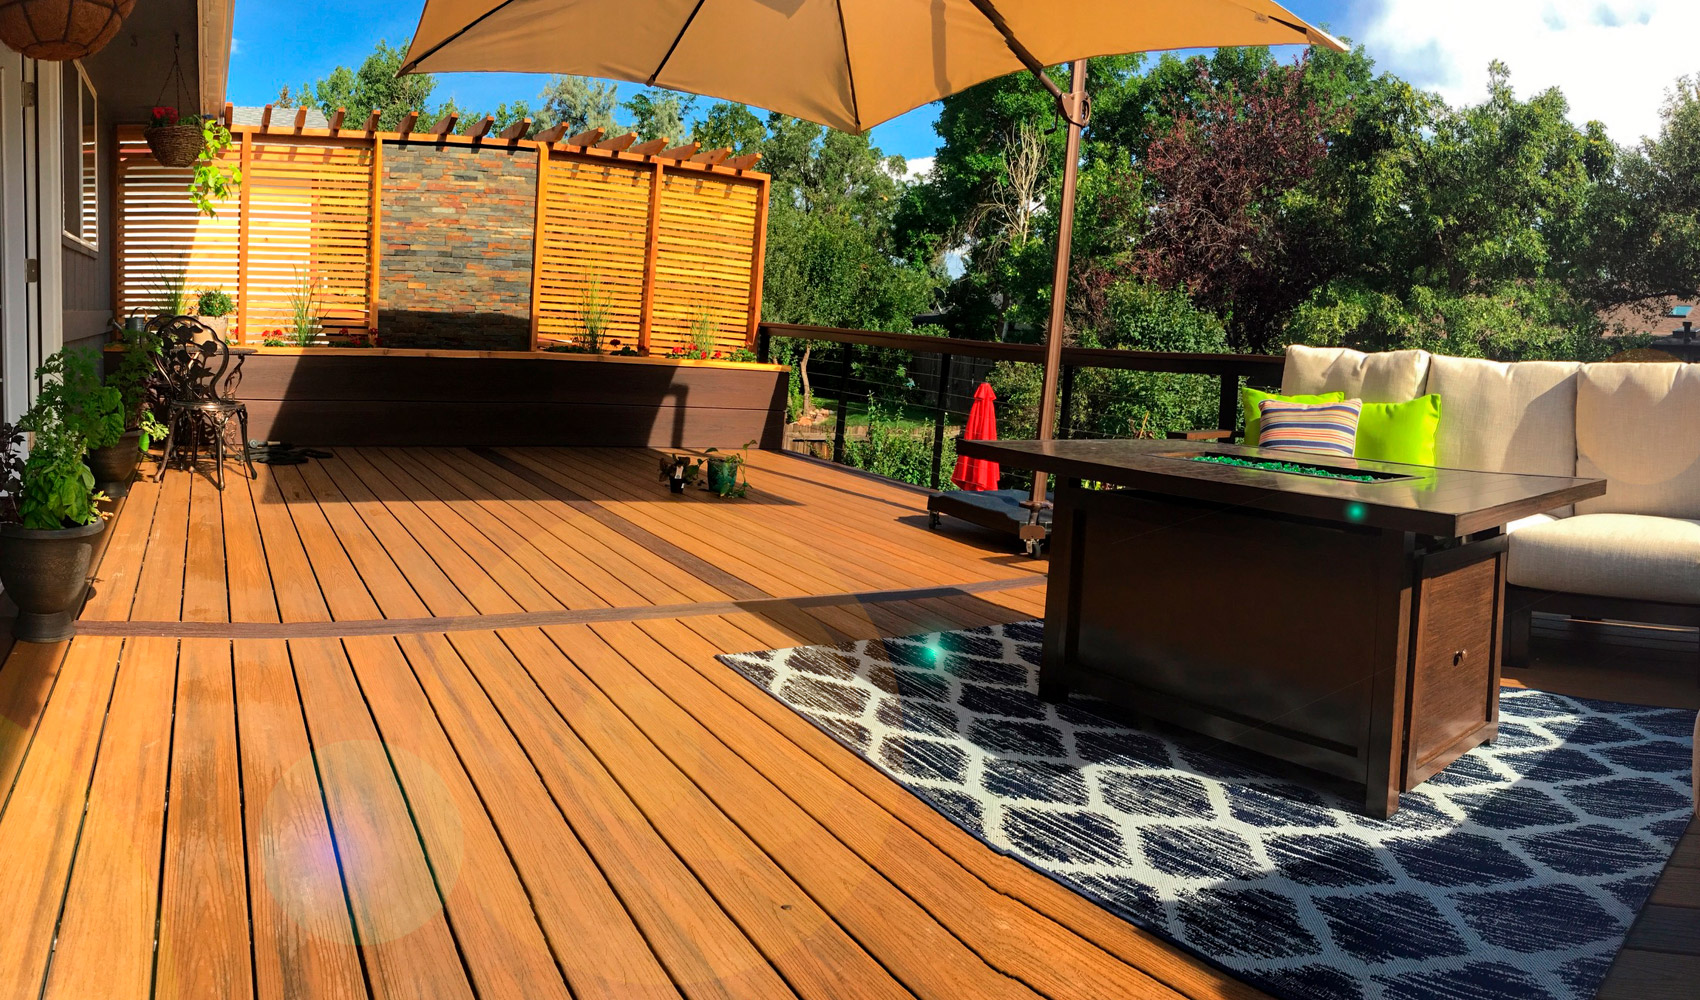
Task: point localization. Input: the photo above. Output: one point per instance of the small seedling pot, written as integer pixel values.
(45, 573)
(722, 475)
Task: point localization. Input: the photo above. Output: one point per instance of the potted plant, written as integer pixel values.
(176, 140)
(726, 473)
(92, 410)
(214, 308)
(304, 310)
(115, 464)
(51, 517)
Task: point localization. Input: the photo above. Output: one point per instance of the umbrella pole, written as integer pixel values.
(1075, 109)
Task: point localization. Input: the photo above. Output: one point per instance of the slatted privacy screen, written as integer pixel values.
(666, 246)
(593, 234)
(163, 236)
(706, 247)
(309, 231)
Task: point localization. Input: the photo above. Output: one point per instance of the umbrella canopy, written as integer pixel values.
(977, 473)
(850, 64)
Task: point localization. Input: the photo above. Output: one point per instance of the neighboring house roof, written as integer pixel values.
(280, 116)
(1658, 317)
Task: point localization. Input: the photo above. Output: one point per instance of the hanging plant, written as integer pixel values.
(197, 141)
(214, 182)
(175, 141)
(61, 30)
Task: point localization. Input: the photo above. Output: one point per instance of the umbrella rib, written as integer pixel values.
(433, 50)
(849, 69)
(676, 40)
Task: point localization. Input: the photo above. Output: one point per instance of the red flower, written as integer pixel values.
(717, 354)
(164, 115)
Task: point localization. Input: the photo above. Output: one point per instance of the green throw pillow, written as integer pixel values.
(1249, 398)
(1399, 432)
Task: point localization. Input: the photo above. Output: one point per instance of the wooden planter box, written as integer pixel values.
(351, 396)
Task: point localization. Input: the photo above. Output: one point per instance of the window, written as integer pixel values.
(81, 157)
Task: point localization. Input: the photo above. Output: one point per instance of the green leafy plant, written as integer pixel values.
(170, 289)
(73, 391)
(214, 303)
(728, 474)
(213, 182)
(72, 409)
(304, 309)
(134, 373)
(704, 328)
(58, 486)
(593, 317)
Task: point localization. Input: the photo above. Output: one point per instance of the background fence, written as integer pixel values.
(894, 403)
(668, 240)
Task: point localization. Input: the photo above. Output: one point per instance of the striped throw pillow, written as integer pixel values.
(1328, 428)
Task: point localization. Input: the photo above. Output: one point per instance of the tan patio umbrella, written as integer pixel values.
(850, 64)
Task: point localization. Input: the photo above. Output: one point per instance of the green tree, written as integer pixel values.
(374, 86)
(730, 125)
(578, 102)
(660, 114)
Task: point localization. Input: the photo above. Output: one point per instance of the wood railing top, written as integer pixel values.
(1266, 366)
(286, 123)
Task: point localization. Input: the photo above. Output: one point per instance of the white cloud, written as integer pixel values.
(236, 46)
(1614, 59)
(919, 168)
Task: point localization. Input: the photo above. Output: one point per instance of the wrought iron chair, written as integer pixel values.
(192, 366)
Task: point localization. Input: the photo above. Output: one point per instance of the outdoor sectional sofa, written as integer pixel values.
(1631, 555)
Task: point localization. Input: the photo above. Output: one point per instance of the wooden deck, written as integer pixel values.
(448, 723)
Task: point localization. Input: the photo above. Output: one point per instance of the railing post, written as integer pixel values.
(843, 420)
(1067, 430)
(764, 345)
(938, 418)
(1228, 404)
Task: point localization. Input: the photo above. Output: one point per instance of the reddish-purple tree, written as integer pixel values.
(1229, 219)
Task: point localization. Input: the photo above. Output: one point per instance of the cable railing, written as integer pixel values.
(898, 401)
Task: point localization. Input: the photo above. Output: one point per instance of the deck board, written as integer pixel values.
(304, 756)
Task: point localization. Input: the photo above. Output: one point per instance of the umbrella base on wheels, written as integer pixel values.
(995, 510)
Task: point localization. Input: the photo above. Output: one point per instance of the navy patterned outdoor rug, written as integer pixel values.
(1515, 873)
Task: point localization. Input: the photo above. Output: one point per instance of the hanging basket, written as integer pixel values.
(61, 30)
(176, 145)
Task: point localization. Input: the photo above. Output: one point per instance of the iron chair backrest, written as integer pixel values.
(192, 359)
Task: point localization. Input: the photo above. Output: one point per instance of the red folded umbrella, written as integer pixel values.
(977, 473)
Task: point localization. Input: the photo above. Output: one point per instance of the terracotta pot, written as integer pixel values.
(115, 466)
(45, 573)
(61, 30)
(217, 324)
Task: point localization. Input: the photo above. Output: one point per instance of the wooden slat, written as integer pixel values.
(203, 907)
(43, 812)
(517, 130)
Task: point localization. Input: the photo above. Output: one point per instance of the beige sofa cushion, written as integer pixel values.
(1498, 417)
(1638, 428)
(1635, 556)
(1386, 377)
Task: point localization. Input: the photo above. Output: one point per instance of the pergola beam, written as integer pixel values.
(516, 131)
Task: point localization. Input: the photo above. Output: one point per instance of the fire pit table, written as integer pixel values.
(1340, 615)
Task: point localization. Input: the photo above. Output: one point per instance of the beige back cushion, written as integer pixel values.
(1638, 428)
(1498, 417)
(1387, 377)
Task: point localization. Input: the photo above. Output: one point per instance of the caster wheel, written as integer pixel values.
(933, 520)
(1035, 547)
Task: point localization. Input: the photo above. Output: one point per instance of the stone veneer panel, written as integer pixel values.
(455, 266)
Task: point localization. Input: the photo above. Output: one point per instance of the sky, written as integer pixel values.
(1614, 59)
